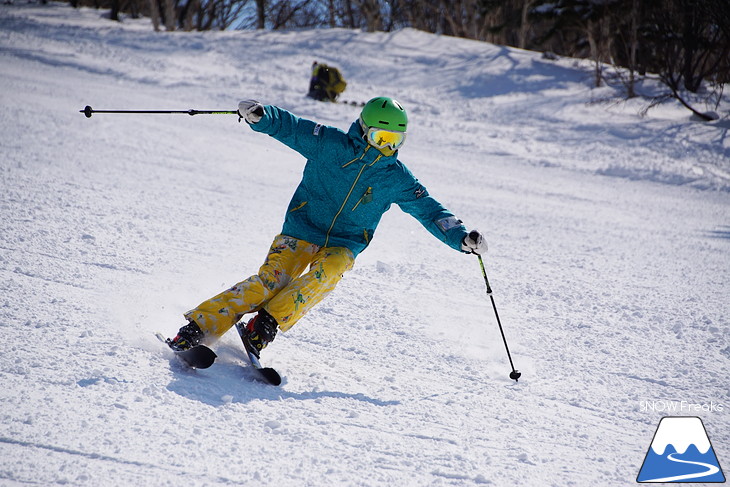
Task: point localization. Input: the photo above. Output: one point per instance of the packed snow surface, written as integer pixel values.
(609, 257)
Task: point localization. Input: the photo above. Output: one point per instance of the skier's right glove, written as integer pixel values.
(250, 110)
(474, 243)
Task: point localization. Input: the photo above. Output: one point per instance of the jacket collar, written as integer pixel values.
(371, 153)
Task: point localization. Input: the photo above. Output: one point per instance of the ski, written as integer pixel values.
(197, 357)
(268, 374)
(351, 102)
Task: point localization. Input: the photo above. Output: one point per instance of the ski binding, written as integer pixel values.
(268, 374)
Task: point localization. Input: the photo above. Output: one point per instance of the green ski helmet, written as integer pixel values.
(385, 113)
(384, 121)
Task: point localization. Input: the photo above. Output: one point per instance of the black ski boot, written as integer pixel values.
(187, 337)
(259, 332)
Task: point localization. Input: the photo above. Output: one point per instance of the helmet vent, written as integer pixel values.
(384, 122)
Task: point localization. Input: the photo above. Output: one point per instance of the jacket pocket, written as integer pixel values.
(367, 197)
(298, 207)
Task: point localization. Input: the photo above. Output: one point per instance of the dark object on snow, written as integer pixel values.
(326, 83)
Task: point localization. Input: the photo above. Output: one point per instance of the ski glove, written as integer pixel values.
(250, 110)
(474, 243)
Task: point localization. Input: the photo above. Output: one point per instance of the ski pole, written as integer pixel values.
(515, 374)
(88, 111)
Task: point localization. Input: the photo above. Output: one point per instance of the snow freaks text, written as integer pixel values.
(663, 406)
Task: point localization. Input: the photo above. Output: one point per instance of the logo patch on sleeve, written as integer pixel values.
(446, 224)
(420, 192)
(317, 128)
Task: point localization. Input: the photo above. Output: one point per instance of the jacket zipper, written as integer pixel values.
(357, 158)
(352, 188)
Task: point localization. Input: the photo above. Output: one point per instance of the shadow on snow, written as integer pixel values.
(722, 232)
(234, 381)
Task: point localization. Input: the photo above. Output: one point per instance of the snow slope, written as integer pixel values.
(609, 258)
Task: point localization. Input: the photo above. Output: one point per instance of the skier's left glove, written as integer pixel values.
(474, 243)
(250, 110)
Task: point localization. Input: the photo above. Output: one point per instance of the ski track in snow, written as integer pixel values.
(609, 244)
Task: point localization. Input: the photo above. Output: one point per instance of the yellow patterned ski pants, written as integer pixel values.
(281, 287)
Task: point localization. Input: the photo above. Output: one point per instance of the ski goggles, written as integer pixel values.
(382, 138)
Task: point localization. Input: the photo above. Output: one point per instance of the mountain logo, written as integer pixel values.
(680, 452)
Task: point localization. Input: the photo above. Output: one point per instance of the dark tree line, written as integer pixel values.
(686, 42)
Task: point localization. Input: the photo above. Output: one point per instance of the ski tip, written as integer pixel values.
(198, 357)
(271, 375)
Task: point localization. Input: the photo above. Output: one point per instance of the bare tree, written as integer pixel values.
(691, 44)
(169, 15)
(260, 14)
(155, 14)
(524, 23)
(370, 10)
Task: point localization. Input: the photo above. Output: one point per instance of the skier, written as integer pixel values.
(326, 83)
(350, 179)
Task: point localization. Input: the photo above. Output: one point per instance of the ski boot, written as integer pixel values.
(187, 337)
(259, 332)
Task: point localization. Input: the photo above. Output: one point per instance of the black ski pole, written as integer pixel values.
(515, 374)
(88, 111)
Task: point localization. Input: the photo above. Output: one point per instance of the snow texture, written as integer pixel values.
(609, 238)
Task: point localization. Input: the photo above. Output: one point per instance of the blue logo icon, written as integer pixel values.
(681, 452)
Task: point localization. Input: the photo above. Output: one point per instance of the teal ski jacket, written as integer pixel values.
(347, 185)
